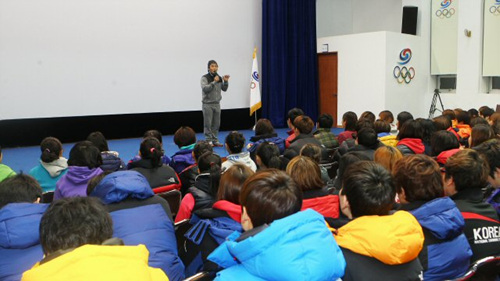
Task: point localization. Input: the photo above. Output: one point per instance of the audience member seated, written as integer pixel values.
(366, 142)
(150, 166)
(368, 115)
(5, 171)
(264, 132)
(235, 142)
(303, 126)
(140, 217)
(323, 132)
(479, 134)
(446, 253)
(185, 139)
(111, 160)
(410, 138)
(478, 120)
(450, 114)
(490, 150)
(383, 130)
(292, 114)
(204, 191)
(345, 161)
(473, 113)
(402, 117)
(20, 216)
(387, 156)
(376, 245)
(428, 129)
(350, 143)
(279, 242)
(463, 124)
(267, 156)
(75, 234)
(306, 175)
(387, 116)
(52, 165)
(444, 144)
(151, 134)
(466, 174)
(211, 226)
(443, 123)
(84, 162)
(349, 120)
(314, 153)
(486, 112)
(188, 175)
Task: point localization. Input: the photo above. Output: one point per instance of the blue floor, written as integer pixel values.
(25, 158)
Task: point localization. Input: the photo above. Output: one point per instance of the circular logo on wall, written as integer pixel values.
(403, 73)
(495, 9)
(445, 11)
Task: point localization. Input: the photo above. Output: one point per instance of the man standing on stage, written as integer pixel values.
(211, 85)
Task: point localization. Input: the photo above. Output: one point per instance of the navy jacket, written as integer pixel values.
(19, 238)
(140, 217)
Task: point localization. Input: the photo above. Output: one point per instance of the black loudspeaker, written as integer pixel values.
(410, 14)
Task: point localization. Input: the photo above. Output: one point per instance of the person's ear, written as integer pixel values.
(227, 148)
(402, 197)
(449, 186)
(258, 161)
(37, 201)
(246, 222)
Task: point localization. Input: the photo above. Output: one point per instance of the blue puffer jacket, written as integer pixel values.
(111, 161)
(19, 238)
(182, 159)
(446, 250)
(144, 224)
(297, 247)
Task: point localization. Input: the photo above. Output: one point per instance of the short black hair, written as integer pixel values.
(85, 154)
(442, 141)
(200, 148)
(210, 62)
(381, 126)
(350, 118)
(325, 121)
(486, 111)
(98, 139)
(402, 117)
(490, 150)
(153, 134)
(411, 129)
(473, 113)
(72, 222)
(294, 113)
(369, 189)
(464, 117)
(19, 189)
(367, 137)
(269, 154)
(235, 141)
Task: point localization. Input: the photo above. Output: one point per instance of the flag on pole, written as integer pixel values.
(255, 102)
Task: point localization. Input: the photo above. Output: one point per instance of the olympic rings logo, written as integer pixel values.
(445, 13)
(403, 74)
(495, 10)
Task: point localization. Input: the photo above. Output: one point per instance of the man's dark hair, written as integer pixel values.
(325, 121)
(269, 155)
(442, 123)
(411, 129)
(210, 62)
(270, 195)
(85, 154)
(428, 129)
(347, 160)
(184, 136)
(364, 123)
(153, 134)
(51, 149)
(264, 127)
(294, 113)
(72, 222)
(368, 115)
(368, 138)
(304, 124)
(381, 127)
(486, 111)
(473, 113)
(98, 139)
(235, 141)
(19, 189)
(468, 169)
(420, 178)
(200, 148)
(402, 117)
(350, 118)
(481, 133)
(490, 150)
(450, 114)
(442, 141)
(478, 120)
(369, 189)
(386, 116)
(463, 117)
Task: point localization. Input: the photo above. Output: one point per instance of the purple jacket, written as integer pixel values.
(74, 182)
(181, 160)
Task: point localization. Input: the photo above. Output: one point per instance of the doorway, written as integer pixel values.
(327, 73)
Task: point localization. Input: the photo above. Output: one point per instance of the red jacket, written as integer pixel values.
(328, 205)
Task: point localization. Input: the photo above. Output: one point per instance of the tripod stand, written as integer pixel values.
(433, 108)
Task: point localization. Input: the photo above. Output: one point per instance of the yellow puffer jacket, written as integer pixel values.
(97, 262)
(389, 140)
(393, 239)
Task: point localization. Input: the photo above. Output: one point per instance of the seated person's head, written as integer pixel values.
(363, 123)
(478, 120)
(232, 181)
(347, 160)
(98, 139)
(386, 116)
(200, 148)
(368, 115)
(466, 169)
(443, 141)
(235, 142)
(51, 149)
(153, 134)
(303, 125)
(292, 114)
(264, 127)
(490, 150)
(312, 151)
(442, 123)
(479, 134)
(457, 111)
(184, 136)
(473, 113)
(349, 120)
(418, 178)
(325, 121)
(305, 172)
(73, 222)
(85, 154)
(428, 129)
(463, 117)
(367, 137)
(402, 117)
(387, 156)
(151, 150)
(367, 189)
(210, 163)
(381, 126)
(19, 189)
(450, 114)
(268, 196)
(411, 129)
(486, 112)
(267, 155)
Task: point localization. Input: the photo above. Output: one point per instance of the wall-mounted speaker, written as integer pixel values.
(409, 25)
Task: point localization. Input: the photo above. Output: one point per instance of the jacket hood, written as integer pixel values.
(443, 156)
(78, 175)
(19, 223)
(441, 217)
(120, 185)
(56, 167)
(393, 239)
(243, 158)
(299, 247)
(416, 145)
(233, 210)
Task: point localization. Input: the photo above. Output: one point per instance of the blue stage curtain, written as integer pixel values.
(289, 59)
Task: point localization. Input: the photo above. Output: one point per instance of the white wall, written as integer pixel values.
(379, 15)
(93, 57)
(333, 17)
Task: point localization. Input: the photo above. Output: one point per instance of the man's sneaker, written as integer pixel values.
(217, 144)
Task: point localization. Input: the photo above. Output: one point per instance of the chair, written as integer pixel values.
(487, 269)
(331, 168)
(180, 229)
(173, 198)
(48, 197)
(201, 276)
